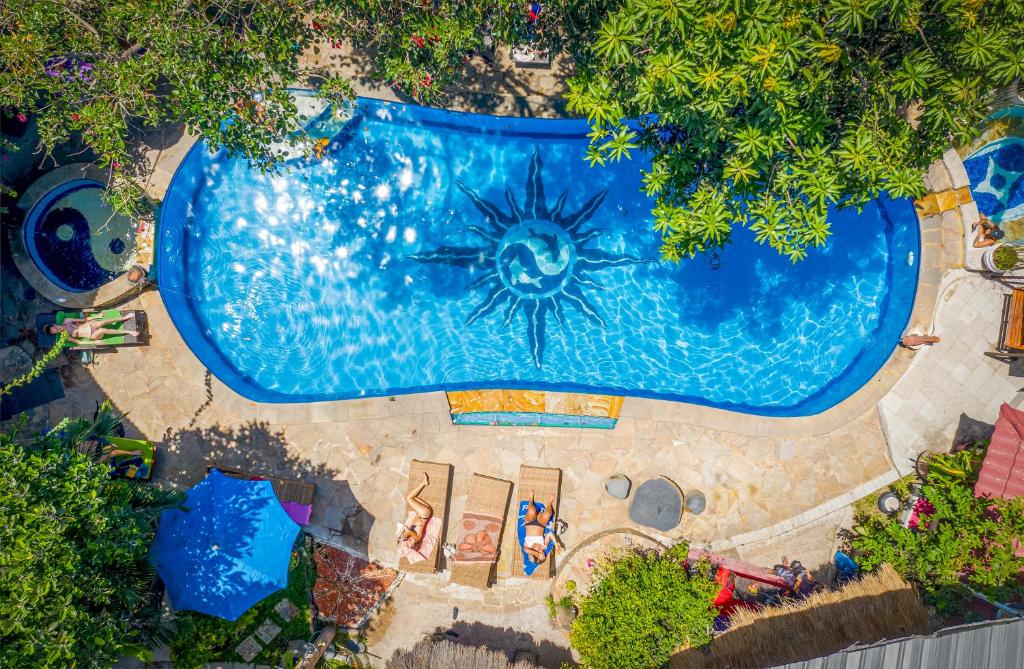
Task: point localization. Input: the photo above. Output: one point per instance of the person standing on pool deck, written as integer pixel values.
(89, 330)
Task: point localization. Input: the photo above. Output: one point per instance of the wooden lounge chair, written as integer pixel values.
(545, 484)
(487, 497)
(436, 495)
(287, 490)
(1011, 328)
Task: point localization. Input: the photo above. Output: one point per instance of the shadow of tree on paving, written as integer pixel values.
(505, 640)
(256, 447)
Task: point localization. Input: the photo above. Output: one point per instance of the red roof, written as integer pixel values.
(1002, 472)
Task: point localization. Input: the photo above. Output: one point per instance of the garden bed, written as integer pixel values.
(202, 639)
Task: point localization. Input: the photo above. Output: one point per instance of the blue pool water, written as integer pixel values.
(438, 250)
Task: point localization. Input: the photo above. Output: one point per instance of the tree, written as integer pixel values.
(74, 572)
(642, 608)
(957, 540)
(762, 114)
(99, 69)
(423, 47)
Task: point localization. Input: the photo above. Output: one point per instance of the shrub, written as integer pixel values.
(1006, 258)
(642, 607)
(972, 543)
(74, 571)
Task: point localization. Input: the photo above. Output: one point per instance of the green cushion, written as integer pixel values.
(109, 313)
(148, 453)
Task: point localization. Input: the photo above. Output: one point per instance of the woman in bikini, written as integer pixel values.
(91, 329)
(416, 521)
(537, 538)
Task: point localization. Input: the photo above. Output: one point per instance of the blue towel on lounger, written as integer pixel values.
(528, 565)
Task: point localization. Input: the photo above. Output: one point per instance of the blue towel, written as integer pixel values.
(528, 565)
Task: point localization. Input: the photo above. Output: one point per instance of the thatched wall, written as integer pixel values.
(879, 606)
(442, 654)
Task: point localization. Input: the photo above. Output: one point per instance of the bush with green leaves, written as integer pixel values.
(971, 544)
(763, 113)
(102, 69)
(74, 572)
(1006, 258)
(642, 607)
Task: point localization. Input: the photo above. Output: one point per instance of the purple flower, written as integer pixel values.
(83, 72)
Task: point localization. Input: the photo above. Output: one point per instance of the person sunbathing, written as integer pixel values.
(420, 513)
(537, 537)
(988, 233)
(91, 329)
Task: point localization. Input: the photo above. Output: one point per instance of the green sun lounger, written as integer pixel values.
(109, 340)
(133, 466)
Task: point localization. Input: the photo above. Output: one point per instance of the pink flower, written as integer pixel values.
(116, 165)
(22, 117)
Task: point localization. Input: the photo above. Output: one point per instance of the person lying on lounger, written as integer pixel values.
(537, 537)
(420, 513)
(91, 329)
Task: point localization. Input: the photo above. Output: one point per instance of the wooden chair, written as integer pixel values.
(545, 484)
(287, 490)
(1011, 328)
(487, 497)
(436, 495)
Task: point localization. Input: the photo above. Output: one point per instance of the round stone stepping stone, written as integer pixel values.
(618, 486)
(657, 503)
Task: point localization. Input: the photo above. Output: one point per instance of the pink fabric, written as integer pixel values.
(430, 535)
(479, 538)
(298, 512)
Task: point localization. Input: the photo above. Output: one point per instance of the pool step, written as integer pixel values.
(533, 407)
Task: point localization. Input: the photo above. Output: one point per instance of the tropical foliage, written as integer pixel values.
(763, 113)
(101, 70)
(643, 607)
(424, 48)
(74, 573)
(958, 539)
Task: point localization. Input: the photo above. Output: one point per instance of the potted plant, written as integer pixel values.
(1003, 258)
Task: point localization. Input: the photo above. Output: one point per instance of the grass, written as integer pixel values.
(202, 638)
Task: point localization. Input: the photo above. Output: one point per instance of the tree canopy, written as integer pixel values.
(74, 572)
(100, 69)
(763, 113)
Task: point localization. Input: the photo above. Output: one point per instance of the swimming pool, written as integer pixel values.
(440, 250)
(75, 239)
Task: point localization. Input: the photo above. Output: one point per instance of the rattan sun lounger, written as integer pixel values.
(487, 496)
(436, 495)
(287, 490)
(545, 484)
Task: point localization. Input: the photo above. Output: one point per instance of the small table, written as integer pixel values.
(657, 503)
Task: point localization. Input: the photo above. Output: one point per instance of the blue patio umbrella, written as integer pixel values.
(229, 550)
